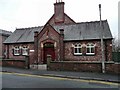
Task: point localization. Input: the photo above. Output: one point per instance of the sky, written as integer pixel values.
(30, 13)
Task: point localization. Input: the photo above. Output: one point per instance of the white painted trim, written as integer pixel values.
(90, 53)
(32, 50)
(77, 53)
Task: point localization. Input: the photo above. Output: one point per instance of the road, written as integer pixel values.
(17, 80)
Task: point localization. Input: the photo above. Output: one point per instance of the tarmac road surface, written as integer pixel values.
(17, 80)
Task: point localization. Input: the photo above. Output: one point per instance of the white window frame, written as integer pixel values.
(77, 46)
(16, 50)
(90, 46)
(24, 50)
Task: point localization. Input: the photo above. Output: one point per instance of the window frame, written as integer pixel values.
(90, 46)
(78, 46)
(16, 51)
(25, 50)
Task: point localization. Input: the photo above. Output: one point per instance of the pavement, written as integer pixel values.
(66, 74)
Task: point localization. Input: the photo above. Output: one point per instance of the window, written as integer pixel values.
(24, 51)
(16, 50)
(77, 49)
(90, 49)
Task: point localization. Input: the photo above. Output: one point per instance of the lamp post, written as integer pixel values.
(102, 43)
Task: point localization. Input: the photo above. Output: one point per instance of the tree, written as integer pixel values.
(116, 44)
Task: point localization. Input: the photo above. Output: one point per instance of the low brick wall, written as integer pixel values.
(85, 66)
(113, 68)
(14, 63)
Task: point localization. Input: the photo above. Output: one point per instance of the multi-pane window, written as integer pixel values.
(16, 50)
(24, 51)
(77, 49)
(90, 49)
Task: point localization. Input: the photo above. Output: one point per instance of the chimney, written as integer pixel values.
(59, 12)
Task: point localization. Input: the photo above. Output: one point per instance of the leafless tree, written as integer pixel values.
(116, 45)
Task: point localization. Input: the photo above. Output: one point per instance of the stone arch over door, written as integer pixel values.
(48, 48)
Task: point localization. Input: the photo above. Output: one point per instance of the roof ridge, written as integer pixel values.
(91, 21)
(80, 23)
(5, 30)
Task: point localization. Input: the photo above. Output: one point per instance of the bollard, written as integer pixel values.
(48, 61)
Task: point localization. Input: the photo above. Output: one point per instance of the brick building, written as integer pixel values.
(3, 36)
(61, 38)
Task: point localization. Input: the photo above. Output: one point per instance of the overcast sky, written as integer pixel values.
(30, 13)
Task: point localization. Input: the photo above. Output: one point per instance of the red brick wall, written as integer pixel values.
(85, 66)
(14, 63)
(113, 68)
(2, 39)
(59, 16)
(31, 54)
(69, 55)
(108, 49)
(75, 66)
(48, 35)
(67, 20)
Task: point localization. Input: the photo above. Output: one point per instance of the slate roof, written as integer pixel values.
(23, 35)
(85, 31)
(79, 31)
(5, 33)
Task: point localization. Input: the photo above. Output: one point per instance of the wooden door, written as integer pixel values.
(49, 51)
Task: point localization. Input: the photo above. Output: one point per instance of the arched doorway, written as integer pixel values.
(48, 50)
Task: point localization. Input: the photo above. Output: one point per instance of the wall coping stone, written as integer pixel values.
(94, 62)
(13, 60)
